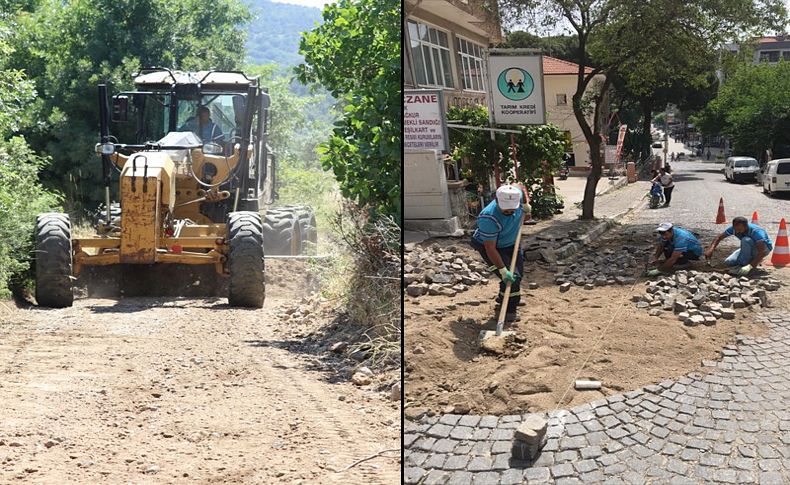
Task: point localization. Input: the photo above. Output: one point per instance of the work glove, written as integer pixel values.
(742, 271)
(654, 272)
(507, 276)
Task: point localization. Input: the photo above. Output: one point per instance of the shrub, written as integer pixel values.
(21, 199)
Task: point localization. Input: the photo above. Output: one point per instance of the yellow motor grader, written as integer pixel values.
(191, 197)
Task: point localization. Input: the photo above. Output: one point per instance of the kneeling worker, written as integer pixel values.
(495, 238)
(755, 246)
(678, 246)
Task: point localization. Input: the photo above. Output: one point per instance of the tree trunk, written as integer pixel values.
(596, 168)
(647, 118)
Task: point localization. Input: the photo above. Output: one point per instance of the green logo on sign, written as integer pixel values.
(515, 84)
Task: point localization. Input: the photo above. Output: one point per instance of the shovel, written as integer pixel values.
(503, 307)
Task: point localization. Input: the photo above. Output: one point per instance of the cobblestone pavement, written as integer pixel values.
(728, 423)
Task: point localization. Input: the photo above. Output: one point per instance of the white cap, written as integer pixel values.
(508, 197)
(664, 227)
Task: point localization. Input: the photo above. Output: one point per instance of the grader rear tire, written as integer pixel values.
(279, 229)
(290, 230)
(53, 261)
(246, 287)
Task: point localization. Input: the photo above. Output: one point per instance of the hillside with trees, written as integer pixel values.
(273, 33)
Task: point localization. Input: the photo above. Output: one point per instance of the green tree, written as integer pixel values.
(610, 34)
(753, 110)
(355, 54)
(21, 196)
(68, 48)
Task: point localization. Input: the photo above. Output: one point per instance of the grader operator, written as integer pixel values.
(191, 197)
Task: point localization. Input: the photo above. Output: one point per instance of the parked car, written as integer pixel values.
(776, 177)
(739, 169)
(657, 145)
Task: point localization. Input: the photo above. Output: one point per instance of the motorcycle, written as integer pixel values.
(656, 195)
(564, 172)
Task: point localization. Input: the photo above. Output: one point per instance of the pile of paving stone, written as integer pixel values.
(610, 267)
(437, 270)
(703, 298)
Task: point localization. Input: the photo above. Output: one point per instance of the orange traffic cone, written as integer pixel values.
(720, 217)
(781, 255)
(754, 217)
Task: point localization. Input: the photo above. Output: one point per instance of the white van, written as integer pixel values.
(737, 169)
(776, 177)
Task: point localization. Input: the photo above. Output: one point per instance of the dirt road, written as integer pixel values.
(176, 390)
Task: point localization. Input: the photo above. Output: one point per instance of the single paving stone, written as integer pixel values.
(573, 443)
(689, 454)
(537, 474)
(575, 430)
(591, 452)
(499, 447)
(462, 433)
(460, 477)
(562, 470)
(485, 478)
(456, 462)
(592, 477)
(585, 466)
(481, 434)
(698, 444)
(771, 477)
(500, 434)
(412, 475)
(450, 419)
(659, 432)
(677, 466)
(545, 459)
(617, 433)
(712, 459)
(435, 461)
(425, 444)
(479, 464)
(564, 456)
(469, 421)
(512, 476)
(615, 469)
(488, 422)
(726, 475)
(440, 430)
(436, 477)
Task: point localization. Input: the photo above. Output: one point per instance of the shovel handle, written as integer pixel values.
(503, 307)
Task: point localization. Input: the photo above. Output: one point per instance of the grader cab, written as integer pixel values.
(192, 177)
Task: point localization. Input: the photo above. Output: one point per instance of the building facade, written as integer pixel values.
(559, 85)
(444, 41)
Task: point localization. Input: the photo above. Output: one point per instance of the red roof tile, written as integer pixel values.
(552, 65)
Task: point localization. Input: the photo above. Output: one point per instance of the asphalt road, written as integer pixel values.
(695, 201)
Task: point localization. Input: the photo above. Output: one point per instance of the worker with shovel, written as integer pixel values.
(755, 246)
(679, 246)
(498, 226)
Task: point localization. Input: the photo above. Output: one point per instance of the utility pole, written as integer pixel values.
(666, 135)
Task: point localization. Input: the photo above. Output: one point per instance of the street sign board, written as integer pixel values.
(516, 87)
(620, 142)
(424, 121)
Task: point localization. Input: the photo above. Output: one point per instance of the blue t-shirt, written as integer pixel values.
(493, 225)
(683, 241)
(757, 233)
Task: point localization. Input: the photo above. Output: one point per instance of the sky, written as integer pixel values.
(309, 3)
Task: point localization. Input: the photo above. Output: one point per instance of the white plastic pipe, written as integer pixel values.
(582, 385)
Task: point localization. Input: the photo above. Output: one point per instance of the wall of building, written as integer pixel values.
(562, 115)
(457, 96)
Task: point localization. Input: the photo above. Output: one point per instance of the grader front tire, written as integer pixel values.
(54, 287)
(245, 260)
